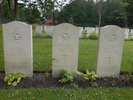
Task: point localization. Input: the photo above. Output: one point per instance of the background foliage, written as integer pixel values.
(77, 12)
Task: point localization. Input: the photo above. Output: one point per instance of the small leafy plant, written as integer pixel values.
(88, 75)
(93, 36)
(14, 78)
(84, 34)
(65, 77)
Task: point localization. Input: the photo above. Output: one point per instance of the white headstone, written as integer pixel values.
(39, 30)
(110, 51)
(89, 31)
(127, 33)
(80, 31)
(49, 31)
(131, 33)
(18, 48)
(65, 48)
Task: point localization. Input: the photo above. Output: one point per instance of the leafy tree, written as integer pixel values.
(10, 9)
(78, 12)
(46, 8)
(4, 11)
(32, 14)
(129, 12)
(13, 8)
(115, 13)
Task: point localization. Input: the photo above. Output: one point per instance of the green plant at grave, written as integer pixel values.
(34, 26)
(65, 76)
(93, 36)
(131, 39)
(14, 78)
(88, 75)
(84, 34)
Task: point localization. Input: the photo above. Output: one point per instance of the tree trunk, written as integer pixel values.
(15, 9)
(125, 20)
(10, 9)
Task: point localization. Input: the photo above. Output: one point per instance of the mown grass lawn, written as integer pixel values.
(67, 94)
(42, 60)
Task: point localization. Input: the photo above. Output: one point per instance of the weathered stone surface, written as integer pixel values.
(65, 48)
(18, 48)
(110, 51)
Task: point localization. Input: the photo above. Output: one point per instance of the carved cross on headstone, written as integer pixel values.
(65, 56)
(110, 58)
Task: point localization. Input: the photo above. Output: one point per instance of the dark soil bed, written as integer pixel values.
(44, 80)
